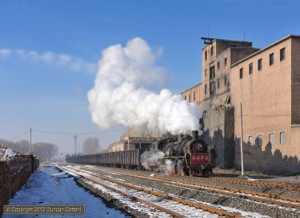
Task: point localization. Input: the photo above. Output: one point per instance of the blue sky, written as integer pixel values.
(49, 51)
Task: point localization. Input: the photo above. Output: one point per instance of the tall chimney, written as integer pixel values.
(195, 134)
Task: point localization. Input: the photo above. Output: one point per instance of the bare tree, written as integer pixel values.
(45, 151)
(20, 146)
(23, 146)
(90, 146)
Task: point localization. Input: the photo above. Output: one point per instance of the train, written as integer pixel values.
(180, 155)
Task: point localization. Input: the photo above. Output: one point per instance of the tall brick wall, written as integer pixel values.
(295, 128)
(267, 97)
(295, 81)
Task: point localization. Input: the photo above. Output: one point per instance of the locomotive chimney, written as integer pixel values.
(180, 137)
(195, 134)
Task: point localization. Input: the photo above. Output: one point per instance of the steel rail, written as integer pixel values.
(133, 198)
(291, 187)
(179, 200)
(293, 202)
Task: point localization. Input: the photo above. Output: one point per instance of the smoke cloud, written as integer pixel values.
(121, 93)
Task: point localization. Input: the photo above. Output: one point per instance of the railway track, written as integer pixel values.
(163, 200)
(280, 200)
(258, 183)
(214, 192)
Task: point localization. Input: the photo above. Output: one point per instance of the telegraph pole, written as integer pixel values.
(75, 144)
(30, 141)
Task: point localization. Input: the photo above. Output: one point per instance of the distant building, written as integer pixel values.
(134, 139)
(193, 94)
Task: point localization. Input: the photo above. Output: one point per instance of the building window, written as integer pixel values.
(271, 59)
(259, 140)
(212, 50)
(205, 89)
(250, 140)
(194, 95)
(282, 54)
(250, 68)
(259, 64)
(225, 61)
(212, 72)
(225, 80)
(271, 138)
(184, 97)
(189, 97)
(241, 73)
(212, 88)
(218, 83)
(282, 137)
(205, 55)
(218, 65)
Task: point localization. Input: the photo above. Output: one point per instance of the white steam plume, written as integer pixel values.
(149, 158)
(119, 95)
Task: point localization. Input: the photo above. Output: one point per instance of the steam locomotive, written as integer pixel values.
(181, 155)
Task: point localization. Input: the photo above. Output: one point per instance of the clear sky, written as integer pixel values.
(49, 52)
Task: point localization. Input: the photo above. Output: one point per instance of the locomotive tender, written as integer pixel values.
(184, 155)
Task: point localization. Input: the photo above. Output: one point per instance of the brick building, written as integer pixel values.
(217, 57)
(193, 94)
(266, 82)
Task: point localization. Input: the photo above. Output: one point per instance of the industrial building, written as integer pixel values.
(251, 96)
(134, 139)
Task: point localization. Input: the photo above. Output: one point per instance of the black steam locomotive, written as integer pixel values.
(181, 155)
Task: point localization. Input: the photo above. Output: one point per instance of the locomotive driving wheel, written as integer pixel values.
(187, 169)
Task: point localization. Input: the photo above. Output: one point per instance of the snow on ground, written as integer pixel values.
(49, 187)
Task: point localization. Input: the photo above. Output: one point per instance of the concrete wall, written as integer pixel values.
(218, 133)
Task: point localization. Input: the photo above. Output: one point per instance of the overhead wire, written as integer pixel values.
(21, 134)
(69, 133)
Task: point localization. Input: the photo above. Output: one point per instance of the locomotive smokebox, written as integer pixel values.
(195, 134)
